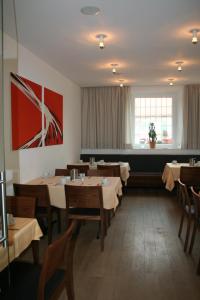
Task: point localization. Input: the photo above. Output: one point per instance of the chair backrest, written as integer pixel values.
(80, 168)
(100, 173)
(84, 196)
(21, 206)
(185, 197)
(190, 175)
(196, 199)
(62, 172)
(59, 254)
(40, 192)
(115, 168)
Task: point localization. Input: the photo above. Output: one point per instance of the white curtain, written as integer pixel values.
(191, 114)
(103, 117)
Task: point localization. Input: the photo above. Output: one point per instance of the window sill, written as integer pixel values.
(149, 151)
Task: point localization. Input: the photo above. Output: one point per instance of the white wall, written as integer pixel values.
(33, 162)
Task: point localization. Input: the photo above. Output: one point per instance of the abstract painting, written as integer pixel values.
(53, 118)
(37, 116)
(26, 104)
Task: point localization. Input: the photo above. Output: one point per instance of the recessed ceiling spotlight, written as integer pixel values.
(179, 65)
(194, 35)
(114, 70)
(90, 10)
(101, 38)
(171, 81)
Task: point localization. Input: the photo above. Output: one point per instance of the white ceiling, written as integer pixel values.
(145, 37)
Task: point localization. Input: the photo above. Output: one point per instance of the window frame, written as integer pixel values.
(175, 115)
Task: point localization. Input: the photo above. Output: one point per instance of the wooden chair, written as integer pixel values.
(21, 206)
(44, 210)
(49, 280)
(62, 172)
(100, 173)
(80, 168)
(115, 169)
(189, 176)
(86, 203)
(24, 207)
(59, 254)
(196, 199)
(116, 173)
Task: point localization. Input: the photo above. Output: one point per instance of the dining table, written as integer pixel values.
(171, 174)
(21, 234)
(111, 189)
(124, 167)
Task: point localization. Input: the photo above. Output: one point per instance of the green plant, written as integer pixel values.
(152, 133)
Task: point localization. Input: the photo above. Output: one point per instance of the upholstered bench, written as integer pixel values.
(145, 179)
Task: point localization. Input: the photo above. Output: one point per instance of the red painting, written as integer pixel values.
(53, 118)
(26, 99)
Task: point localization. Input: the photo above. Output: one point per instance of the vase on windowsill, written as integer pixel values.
(152, 144)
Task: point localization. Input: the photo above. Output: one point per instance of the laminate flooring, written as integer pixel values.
(143, 257)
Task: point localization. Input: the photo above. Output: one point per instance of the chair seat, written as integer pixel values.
(25, 280)
(84, 211)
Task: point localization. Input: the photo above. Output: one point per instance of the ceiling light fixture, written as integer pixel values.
(179, 64)
(114, 70)
(101, 38)
(171, 81)
(90, 10)
(121, 82)
(194, 35)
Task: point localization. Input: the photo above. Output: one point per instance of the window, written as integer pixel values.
(153, 110)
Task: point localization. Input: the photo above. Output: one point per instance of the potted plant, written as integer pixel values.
(152, 135)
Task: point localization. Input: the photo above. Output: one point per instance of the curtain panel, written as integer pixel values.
(191, 117)
(103, 117)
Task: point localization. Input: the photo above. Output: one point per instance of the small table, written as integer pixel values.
(57, 191)
(20, 236)
(171, 174)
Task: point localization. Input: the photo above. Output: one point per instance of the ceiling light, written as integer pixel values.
(171, 81)
(194, 35)
(179, 64)
(90, 10)
(114, 70)
(121, 82)
(101, 38)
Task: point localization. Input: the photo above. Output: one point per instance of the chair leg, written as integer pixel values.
(193, 237)
(102, 235)
(58, 212)
(98, 230)
(187, 234)
(49, 227)
(198, 268)
(120, 200)
(109, 217)
(178, 195)
(181, 225)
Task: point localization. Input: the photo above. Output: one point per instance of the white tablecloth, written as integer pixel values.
(171, 174)
(20, 236)
(57, 192)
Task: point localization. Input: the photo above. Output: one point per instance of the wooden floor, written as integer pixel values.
(143, 257)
